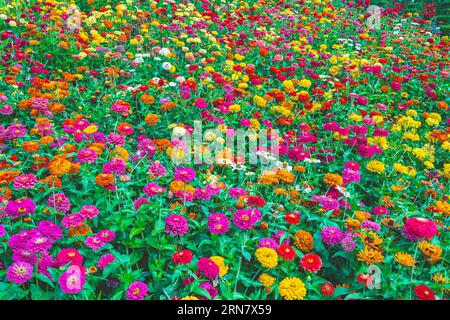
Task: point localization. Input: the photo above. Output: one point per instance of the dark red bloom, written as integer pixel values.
(424, 293)
(255, 201)
(182, 257)
(292, 217)
(327, 289)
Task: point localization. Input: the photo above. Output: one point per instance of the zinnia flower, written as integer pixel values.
(176, 225)
(59, 202)
(218, 223)
(311, 262)
(331, 235)
(72, 281)
(424, 293)
(292, 289)
(419, 228)
(182, 257)
(137, 291)
(25, 181)
(267, 257)
(208, 268)
(19, 272)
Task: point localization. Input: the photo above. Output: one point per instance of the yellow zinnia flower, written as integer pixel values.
(267, 257)
(292, 289)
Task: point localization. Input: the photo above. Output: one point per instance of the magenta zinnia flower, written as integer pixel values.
(176, 225)
(88, 212)
(19, 272)
(25, 181)
(208, 268)
(59, 202)
(331, 235)
(185, 174)
(87, 155)
(152, 189)
(20, 207)
(94, 242)
(218, 223)
(72, 280)
(245, 219)
(105, 260)
(106, 235)
(69, 255)
(419, 228)
(137, 291)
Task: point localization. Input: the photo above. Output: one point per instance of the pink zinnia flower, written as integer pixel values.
(208, 268)
(331, 235)
(157, 169)
(152, 189)
(59, 202)
(185, 174)
(218, 223)
(379, 210)
(87, 155)
(24, 255)
(94, 242)
(105, 260)
(245, 219)
(419, 228)
(20, 207)
(88, 212)
(106, 235)
(25, 181)
(19, 272)
(137, 291)
(139, 202)
(116, 165)
(176, 225)
(72, 220)
(69, 255)
(72, 280)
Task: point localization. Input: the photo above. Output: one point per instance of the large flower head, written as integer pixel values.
(292, 289)
(176, 225)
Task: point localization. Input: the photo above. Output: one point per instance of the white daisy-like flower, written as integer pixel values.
(167, 66)
(164, 52)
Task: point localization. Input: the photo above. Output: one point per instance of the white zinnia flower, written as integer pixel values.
(167, 66)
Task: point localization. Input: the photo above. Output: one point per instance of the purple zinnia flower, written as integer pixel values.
(331, 235)
(267, 243)
(218, 223)
(176, 225)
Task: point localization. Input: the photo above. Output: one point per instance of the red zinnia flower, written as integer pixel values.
(424, 293)
(255, 201)
(365, 279)
(292, 217)
(327, 289)
(311, 262)
(286, 252)
(182, 257)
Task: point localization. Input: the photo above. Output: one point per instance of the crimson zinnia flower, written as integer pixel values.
(182, 257)
(424, 293)
(327, 289)
(311, 262)
(292, 217)
(286, 252)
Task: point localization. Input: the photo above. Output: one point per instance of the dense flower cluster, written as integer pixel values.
(102, 195)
